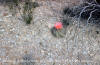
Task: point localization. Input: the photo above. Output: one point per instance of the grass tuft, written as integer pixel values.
(28, 10)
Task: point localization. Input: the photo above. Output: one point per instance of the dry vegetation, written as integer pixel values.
(35, 42)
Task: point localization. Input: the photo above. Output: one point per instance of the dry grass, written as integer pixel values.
(78, 47)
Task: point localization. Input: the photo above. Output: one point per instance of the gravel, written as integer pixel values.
(17, 39)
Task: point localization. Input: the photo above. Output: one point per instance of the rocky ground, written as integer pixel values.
(20, 42)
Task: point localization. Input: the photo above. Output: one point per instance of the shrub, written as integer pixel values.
(26, 6)
(28, 11)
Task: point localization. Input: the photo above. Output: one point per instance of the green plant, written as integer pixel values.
(28, 10)
(58, 33)
(25, 8)
(27, 18)
(13, 5)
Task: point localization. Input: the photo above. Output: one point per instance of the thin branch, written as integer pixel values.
(91, 16)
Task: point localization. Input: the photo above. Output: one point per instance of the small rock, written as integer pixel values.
(8, 16)
(2, 30)
(1, 20)
(97, 57)
(17, 36)
(50, 25)
(5, 14)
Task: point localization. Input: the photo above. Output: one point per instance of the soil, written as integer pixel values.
(20, 42)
